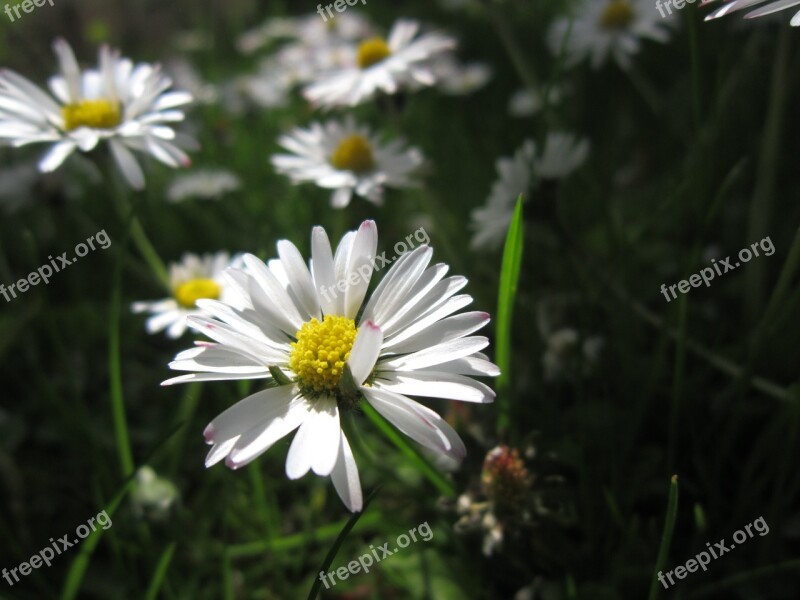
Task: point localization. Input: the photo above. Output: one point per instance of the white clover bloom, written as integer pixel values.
(379, 65)
(126, 105)
(322, 347)
(767, 9)
(603, 29)
(347, 158)
(563, 153)
(203, 184)
(194, 278)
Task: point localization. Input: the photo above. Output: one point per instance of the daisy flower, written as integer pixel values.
(381, 65)
(194, 278)
(322, 347)
(767, 9)
(126, 105)
(562, 154)
(203, 184)
(604, 29)
(347, 158)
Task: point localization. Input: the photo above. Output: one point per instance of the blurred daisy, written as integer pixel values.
(563, 153)
(203, 184)
(768, 9)
(323, 347)
(347, 158)
(604, 29)
(126, 105)
(457, 79)
(194, 278)
(527, 103)
(382, 66)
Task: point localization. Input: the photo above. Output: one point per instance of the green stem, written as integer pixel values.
(666, 537)
(511, 45)
(413, 455)
(160, 573)
(761, 206)
(124, 451)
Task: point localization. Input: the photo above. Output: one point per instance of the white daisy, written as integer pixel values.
(204, 184)
(347, 158)
(322, 349)
(124, 104)
(604, 29)
(563, 153)
(457, 79)
(194, 278)
(767, 9)
(382, 66)
(527, 103)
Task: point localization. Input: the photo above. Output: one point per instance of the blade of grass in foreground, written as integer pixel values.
(338, 543)
(509, 278)
(666, 537)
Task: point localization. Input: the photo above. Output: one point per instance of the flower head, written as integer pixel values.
(192, 279)
(347, 158)
(603, 29)
(126, 105)
(381, 65)
(322, 347)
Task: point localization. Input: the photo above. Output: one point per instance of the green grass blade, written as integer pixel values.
(509, 278)
(326, 563)
(666, 536)
(160, 572)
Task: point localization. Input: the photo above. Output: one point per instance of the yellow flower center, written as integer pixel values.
(372, 51)
(618, 14)
(97, 114)
(353, 153)
(190, 292)
(321, 351)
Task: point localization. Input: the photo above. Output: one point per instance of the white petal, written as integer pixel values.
(441, 353)
(275, 301)
(257, 409)
(260, 438)
(365, 351)
(359, 267)
(445, 330)
(322, 268)
(315, 446)
(300, 282)
(416, 421)
(56, 156)
(127, 164)
(345, 477)
(436, 384)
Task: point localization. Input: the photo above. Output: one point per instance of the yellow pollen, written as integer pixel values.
(617, 14)
(321, 352)
(353, 153)
(372, 51)
(191, 291)
(97, 114)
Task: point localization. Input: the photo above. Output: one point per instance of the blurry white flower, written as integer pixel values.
(381, 65)
(567, 355)
(309, 30)
(562, 154)
(526, 103)
(194, 278)
(126, 105)
(204, 184)
(153, 497)
(603, 29)
(347, 158)
(299, 332)
(459, 79)
(186, 77)
(768, 9)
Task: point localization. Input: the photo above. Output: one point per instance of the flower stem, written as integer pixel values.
(666, 536)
